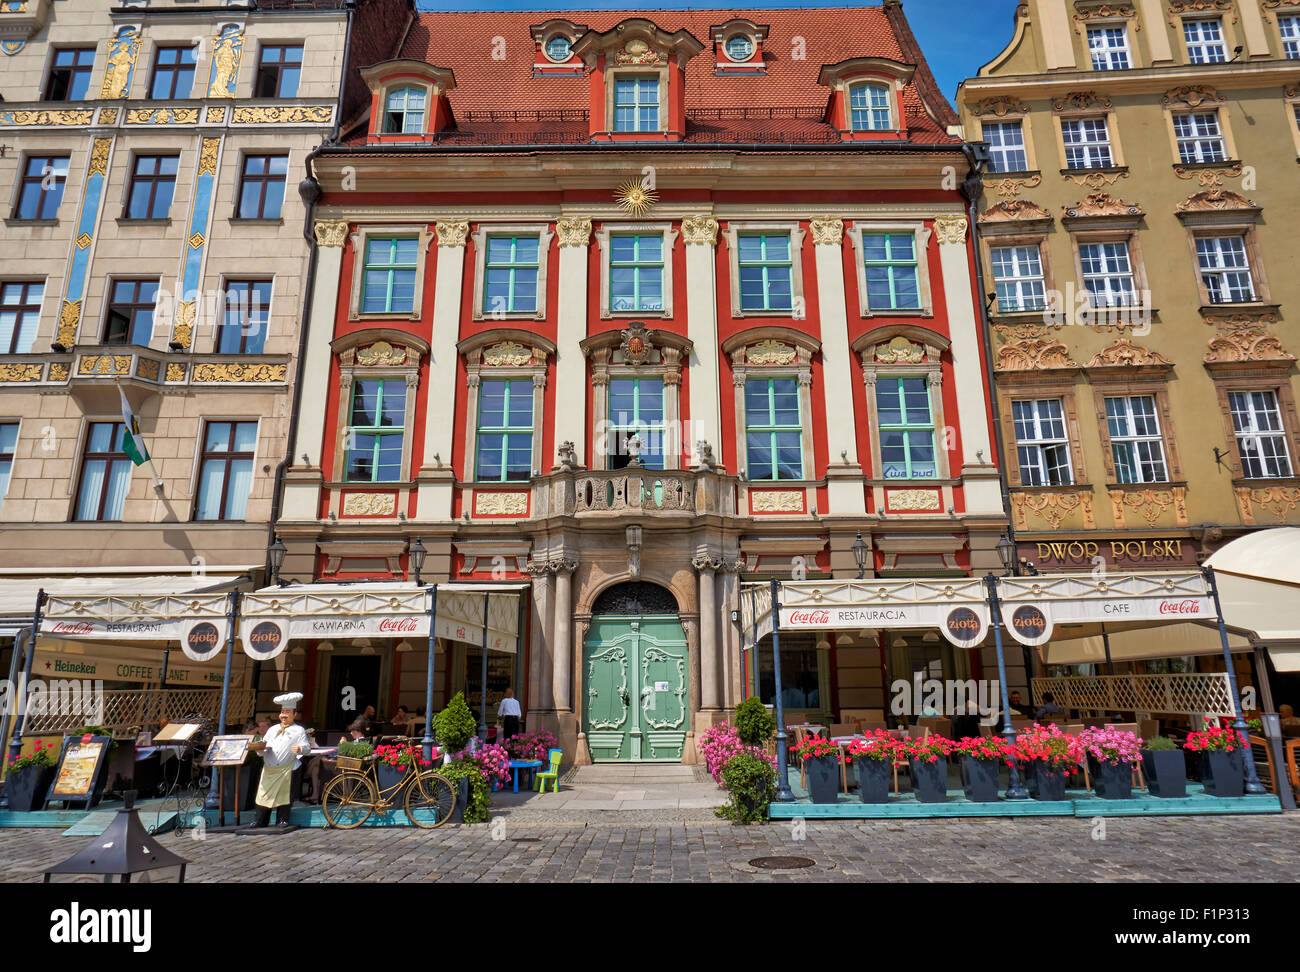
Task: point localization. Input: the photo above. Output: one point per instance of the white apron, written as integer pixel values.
(278, 763)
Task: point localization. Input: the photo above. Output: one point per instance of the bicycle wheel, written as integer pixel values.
(430, 801)
(348, 801)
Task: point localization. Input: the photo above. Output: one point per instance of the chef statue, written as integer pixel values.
(282, 750)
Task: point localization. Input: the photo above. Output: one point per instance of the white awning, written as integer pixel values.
(1258, 576)
(274, 616)
(1161, 641)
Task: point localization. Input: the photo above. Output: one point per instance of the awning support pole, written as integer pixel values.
(783, 793)
(1015, 789)
(1105, 643)
(232, 619)
(1253, 785)
(427, 741)
(482, 695)
(16, 743)
(1270, 725)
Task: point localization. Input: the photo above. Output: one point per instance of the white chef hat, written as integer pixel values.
(289, 700)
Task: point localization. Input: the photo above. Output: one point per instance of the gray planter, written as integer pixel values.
(873, 779)
(1111, 781)
(930, 780)
(1165, 772)
(979, 778)
(26, 787)
(1223, 773)
(823, 774)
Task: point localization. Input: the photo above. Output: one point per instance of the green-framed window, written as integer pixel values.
(773, 428)
(505, 431)
(388, 285)
(636, 405)
(766, 271)
(510, 283)
(636, 273)
(906, 428)
(891, 266)
(376, 431)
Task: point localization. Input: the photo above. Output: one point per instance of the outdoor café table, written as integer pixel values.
(518, 764)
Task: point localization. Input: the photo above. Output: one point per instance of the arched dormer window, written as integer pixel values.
(869, 107)
(404, 111)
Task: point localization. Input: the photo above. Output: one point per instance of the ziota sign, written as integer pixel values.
(1030, 625)
(263, 640)
(202, 641)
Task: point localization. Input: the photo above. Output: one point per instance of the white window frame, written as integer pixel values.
(1200, 129)
(1018, 281)
(1257, 432)
(1000, 153)
(1108, 51)
(871, 108)
(1219, 264)
(1108, 273)
(1134, 440)
(1036, 448)
(798, 303)
(1091, 147)
(1200, 47)
(1288, 28)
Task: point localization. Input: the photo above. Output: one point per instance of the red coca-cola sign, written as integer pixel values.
(1186, 606)
(72, 627)
(397, 624)
(810, 617)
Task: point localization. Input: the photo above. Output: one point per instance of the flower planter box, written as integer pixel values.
(823, 773)
(873, 779)
(1111, 781)
(1223, 772)
(462, 798)
(930, 780)
(1165, 772)
(26, 787)
(389, 776)
(1047, 783)
(979, 778)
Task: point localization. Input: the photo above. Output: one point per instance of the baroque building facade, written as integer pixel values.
(632, 309)
(154, 255)
(1139, 273)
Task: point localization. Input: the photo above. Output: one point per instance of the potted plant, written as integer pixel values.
(1111, 753)
(1162, 763)
(392, 763)
(717, 744)
(1222, 766)
(754, 723)
(928, 757)
(980, 756)
(29, 778)
(1048, 756)
(821, 760)
(873, 756)
(494, 763)
(454, 726)
(750, 779)
(354, 754)
(472, 795)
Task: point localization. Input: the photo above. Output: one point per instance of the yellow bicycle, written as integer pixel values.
(351, 797)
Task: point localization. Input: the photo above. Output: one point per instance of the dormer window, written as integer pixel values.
(559, 48)
(636, 104)
(404, 111)
(869, 108)
(739, 48)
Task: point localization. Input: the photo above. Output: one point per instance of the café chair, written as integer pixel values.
(551, 775)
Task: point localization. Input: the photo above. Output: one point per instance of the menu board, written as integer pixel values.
(78, 769)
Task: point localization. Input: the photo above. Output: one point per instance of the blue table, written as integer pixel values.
(517, 764)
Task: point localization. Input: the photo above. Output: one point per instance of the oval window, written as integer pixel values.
(739, 48)
(558, 48)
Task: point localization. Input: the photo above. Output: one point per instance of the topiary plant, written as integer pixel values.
(751, 785)
(454, 725)
(754, 723)
(1159, 743)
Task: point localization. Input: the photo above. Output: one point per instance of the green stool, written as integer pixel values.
(552, 775)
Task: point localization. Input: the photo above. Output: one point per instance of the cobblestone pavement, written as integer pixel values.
(608, 847)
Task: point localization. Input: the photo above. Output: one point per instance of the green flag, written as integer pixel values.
(133, 442)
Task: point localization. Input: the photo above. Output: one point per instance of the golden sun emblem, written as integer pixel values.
(635, 198)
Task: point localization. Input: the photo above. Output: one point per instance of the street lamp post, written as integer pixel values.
(1007, 552)
(860, 555)
(783, 793)
(276, 553)
(417, 554)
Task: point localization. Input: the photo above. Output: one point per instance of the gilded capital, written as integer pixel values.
(700, 229)
(331, 232)
(950, 229)
(826, 232)
(573, 230)
(453, 233)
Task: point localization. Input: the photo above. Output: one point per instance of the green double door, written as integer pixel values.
(637, 699)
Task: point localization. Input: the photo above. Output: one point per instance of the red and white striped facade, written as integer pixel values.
(528, 145)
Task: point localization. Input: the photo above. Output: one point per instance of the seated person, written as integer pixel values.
(1048, 708)
(1019, 709)
(1289, 723)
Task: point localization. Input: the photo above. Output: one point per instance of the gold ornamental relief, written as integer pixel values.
(453, 233)
(507, 354)
(912, 499)
(162, 116)
(369, 504)
(20, 372)
(59, 371)
(500, 504)
(45, 119)
(899, 351)
(208, 156)
(121, 58)
(216, 115)
(331, 232)
(700, 229)
(147, 369)
(99, 156)
(637, 51)
(104, 364)
(776, 501)
(108, 116)
(1273, 501)
(283, 115)
(175, 372)
(573, 230)
(381, 353)
(770, 352)
(183, 332)
(239, 373)
(68, 318)
(950, 229)
(826, 231)
(227, 51)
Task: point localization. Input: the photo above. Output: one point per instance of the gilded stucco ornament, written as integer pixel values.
(452, 233)
(45, 119)
(227, 51)
(950, 229)
(369, 504)
(770, 352)
(381, 353)
(912, 499)
(500, 504)
(283, 115)
(121, 59)
(331, 232)
(20, 372)
(507, 354)
(899, 351)
(234, 373)
(826, 231)
(776, 500)
(700, 229)
(573, 230)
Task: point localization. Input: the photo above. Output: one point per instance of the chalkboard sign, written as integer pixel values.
(83, 766)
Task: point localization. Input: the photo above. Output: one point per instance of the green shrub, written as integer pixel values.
(357, 749)
(754, 723)
(751, 785)
(480, 796)
(1159, 743)
(454, 725)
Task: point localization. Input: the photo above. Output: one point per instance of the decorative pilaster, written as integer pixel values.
(709, 657)
(562, 646)
(571, 327)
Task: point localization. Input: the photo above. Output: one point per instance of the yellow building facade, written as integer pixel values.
(1139, 198)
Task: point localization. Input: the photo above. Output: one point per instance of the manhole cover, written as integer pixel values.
(782, 863)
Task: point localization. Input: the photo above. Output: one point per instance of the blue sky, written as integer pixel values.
(956, 35)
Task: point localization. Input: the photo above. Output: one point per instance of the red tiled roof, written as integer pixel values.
(785, 105)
